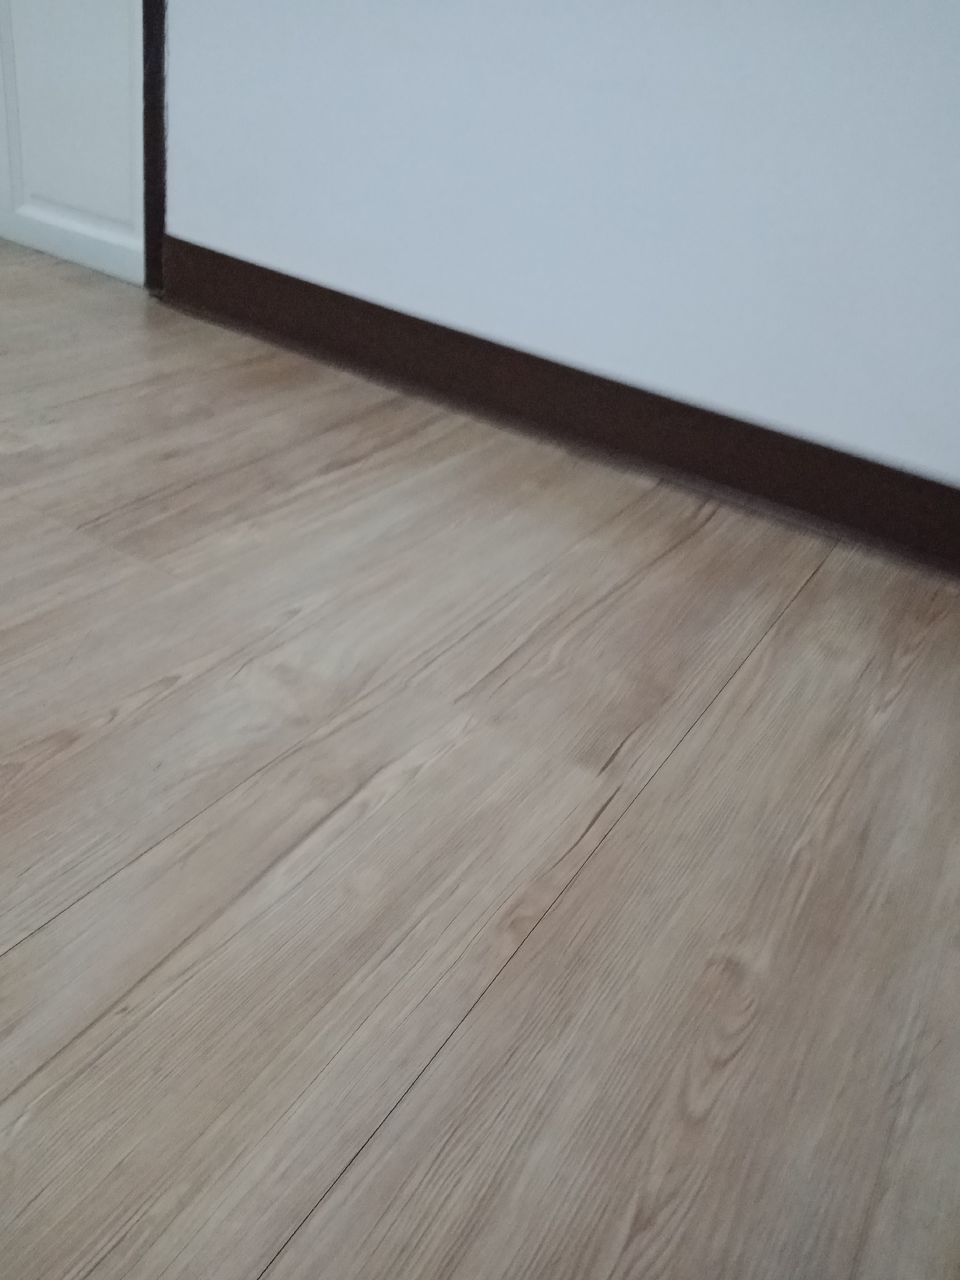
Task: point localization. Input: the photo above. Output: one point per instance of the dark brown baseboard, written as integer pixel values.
(903, 512)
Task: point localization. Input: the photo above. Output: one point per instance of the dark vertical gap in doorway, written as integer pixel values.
(154, 141)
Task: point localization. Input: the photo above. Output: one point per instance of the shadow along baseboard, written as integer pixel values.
(903, 512)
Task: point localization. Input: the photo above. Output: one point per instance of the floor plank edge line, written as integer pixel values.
(510, 959)
(154, 843)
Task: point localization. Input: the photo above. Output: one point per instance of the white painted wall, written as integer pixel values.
(71, 130)
(750, 205)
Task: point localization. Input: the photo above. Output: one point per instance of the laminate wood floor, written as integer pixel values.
(426, 852)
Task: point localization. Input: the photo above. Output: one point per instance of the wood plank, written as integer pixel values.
(44, 563)
(66, 975)
(86, 459)
(82, 667)
(150, 348)
(46, 293)
(294, 491)
(67, 333)
(87, 799)
(377, 891)
(687, 1070)
(312, 1123)
(619, 644)
(407, 470)
(109, 663)
(445, 550)
(103, 657)
(610, 649)
(911, 1229)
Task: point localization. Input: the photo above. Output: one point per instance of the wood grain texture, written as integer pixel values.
(44, 563)
(315, 698)
(88, 459)
(374, 893)
(90, 797)
(692, 1067)
(441, 471)
(108, 337)
(913, 1226)
(617, 646)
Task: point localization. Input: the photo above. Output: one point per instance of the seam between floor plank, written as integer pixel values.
(915, 1059)
(31, 508)
(175, 490)
(263, 648)
(676, 746)
(295, 746)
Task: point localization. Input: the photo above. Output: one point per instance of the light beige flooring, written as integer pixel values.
(429, 853)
